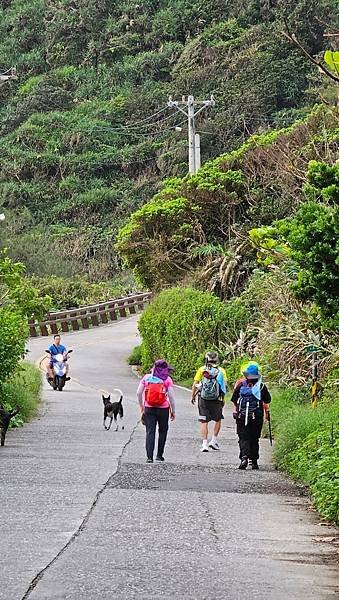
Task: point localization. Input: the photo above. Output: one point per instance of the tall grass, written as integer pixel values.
(24, 391)
(307, 446)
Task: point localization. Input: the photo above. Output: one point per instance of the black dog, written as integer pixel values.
(5, 419)
(113, 410)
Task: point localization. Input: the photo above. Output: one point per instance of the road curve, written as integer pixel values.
(83, 517)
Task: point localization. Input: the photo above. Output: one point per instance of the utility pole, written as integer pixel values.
(190, 105)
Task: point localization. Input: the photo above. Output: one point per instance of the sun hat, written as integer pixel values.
(162, 369)
(252, 371)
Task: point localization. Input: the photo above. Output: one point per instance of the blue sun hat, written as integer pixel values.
(252, 371)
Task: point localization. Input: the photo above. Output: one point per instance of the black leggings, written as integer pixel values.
(249, 437)
(154, 416)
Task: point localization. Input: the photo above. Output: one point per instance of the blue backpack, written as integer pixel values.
(247, 403)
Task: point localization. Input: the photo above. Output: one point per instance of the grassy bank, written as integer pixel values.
(307, 446)
(23, 390)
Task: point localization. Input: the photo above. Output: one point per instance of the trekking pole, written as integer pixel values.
(269, 426)
(246, 416)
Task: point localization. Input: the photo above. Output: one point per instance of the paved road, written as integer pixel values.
(83, 517)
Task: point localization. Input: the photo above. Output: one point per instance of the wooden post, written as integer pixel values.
(43, 329)
(84, 320)
(103, 316)
(113, 313)
(315, 384)
(64, 324)
(32, 328)
(122, 309)
(94, 316)
(74, 323)
(131, 306)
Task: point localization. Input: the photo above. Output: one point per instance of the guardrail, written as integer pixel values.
(85, 317)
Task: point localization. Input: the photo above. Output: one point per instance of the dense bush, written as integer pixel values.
(180, 325)
(14, 332)
(307, 446)
(308, 246)
(23, 390)
(135, 357)
(313, 237)
(78, 291)
(18, 302)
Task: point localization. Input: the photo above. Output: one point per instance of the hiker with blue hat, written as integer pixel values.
(250, 398)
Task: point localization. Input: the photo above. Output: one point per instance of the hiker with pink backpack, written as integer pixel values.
(157, 404)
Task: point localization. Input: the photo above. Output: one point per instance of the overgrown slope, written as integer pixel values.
(78, 151)
(197, 227)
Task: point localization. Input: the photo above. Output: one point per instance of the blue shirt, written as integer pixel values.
(54, 349)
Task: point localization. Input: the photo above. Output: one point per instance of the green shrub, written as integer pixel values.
(180, 325)
(22, 390)
(316, 463)
(14, 331)
(286, 401)
(306, 446)
(135, 356)
(79, 291)
(308, 243)
(18, 302)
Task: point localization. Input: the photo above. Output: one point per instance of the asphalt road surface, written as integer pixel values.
(83, 517)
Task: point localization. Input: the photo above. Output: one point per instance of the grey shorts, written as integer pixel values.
(210, 410)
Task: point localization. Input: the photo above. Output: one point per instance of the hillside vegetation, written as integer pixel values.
(79, 147)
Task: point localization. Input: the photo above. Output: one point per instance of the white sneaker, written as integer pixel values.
(204, 448)
(214, 445)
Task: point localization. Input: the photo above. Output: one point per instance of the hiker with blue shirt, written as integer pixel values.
(250, 398)
(54, 349)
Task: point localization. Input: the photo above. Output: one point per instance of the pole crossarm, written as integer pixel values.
(9, 75)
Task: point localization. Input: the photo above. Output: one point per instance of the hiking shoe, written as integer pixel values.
(244, 463)
(214, 445)
(255, 466)
(149, 460)
(160, 459)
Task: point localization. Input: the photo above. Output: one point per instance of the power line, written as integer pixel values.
(146, 119)
(138, 134)
(123, 128)
(95, 129)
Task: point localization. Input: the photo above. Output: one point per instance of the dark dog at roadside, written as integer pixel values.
(113, 410)
(5, 419)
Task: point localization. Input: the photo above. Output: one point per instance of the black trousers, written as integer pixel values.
(249, 436)
(154, 417)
